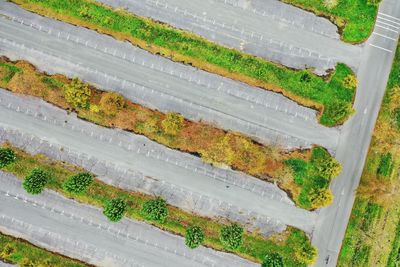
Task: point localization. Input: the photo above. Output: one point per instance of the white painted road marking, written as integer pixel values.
(387, 50)
(384, 36)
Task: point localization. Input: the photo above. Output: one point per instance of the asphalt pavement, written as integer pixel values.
(271, 29)
(40, 119)
(150, 80)
(356, 134)
(83, 232)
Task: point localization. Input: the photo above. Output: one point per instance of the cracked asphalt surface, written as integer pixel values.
(147, 79)
(46, 122)
(266, 28)
(83, 232)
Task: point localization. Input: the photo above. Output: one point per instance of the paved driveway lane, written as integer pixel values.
(356, 136)
(156, 168)
(101, 242)
(272, 119)
(270, 29)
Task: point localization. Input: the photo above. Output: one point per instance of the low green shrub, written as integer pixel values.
(78, 183)
(385, 165)
(155, 210)
(231, 236)
(194, 236)
(115, 209)
(7, 156)
(35, 181)
(273, 260)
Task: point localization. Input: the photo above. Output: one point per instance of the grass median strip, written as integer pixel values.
(292, 245)
(372, 236)
(17, 251)
(214, 145)
(332, 95)
(354, 18)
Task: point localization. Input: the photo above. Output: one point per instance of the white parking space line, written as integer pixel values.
(387, 50)
(381, 13)
(392, 21)
(384, 36)
(386, 28)
(387, 24)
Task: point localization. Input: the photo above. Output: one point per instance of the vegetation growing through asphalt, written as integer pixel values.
(354, 18)
(329, 95)
(292, 244)
(214, 145)
(17, 251)
(373, 233)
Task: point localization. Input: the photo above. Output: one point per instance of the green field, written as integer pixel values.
(22, 253)
(332, 95)
(290, 244)
(373, 233)
(354, 18)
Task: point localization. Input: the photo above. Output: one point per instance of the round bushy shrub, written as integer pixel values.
(231, 236)
(115, 209)
(155, 210)
(194, 236)
(78, 183)
(7, 156)
(172, 123)
(77, 93)
(272, 260)
(35, 181)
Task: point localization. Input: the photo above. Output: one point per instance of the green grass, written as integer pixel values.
(27, 254)
(254, 248)
(373, 234)
(394, 257)
(308, 177)
(355, 18)
(331, 95)
(11, 71)
(355, 251)
(385, 165)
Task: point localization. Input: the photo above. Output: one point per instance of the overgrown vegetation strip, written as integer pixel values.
(214, 145)
(332, 96)
(372, 235)
(17, 251)
(292, 245)
(354, 18)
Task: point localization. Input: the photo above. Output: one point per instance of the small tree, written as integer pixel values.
(35, 181)
(272, 260)
(321, 197)
(324, 164)
(78, 183)
(111, 102)
(155, 210)
(194, 237)
(7, 156)
(306, 254)
(115, 209)
(231, 236)
(350, 81)
(77, 93)
(172, 123)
